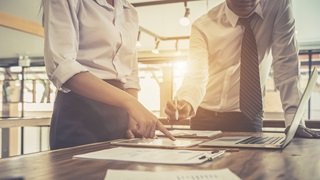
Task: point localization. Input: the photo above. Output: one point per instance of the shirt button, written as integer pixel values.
(123, 80)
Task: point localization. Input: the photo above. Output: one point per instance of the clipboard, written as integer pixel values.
(188, 133)
(153, 155)
(160, 142)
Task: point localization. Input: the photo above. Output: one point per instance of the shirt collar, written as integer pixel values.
(233, 18)
(125, 4)
(104, 3)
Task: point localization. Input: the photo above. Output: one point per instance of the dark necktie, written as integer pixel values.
(250, 90)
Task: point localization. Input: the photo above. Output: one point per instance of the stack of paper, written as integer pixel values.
(152, 155)
(222, 174)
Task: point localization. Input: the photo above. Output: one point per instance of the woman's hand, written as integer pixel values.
(146, 122)
(132, 129)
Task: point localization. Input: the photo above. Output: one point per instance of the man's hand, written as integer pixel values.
(183, 107)
(305, 132)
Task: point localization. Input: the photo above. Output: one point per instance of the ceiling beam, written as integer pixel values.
(21, 24)
(161, 37)
(14, 61)
(160, 2)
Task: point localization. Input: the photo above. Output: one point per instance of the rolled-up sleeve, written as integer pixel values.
(196, 77)
(61, 41)
(132, 81)
(286, 64)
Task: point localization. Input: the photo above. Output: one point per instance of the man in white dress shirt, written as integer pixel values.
(210, 92)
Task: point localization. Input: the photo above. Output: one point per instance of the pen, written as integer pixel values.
(210, 158)
(210, 149)
(176, 105)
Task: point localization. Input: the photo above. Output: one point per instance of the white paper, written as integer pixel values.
(189, 133)
(148, 155)
(222, 174)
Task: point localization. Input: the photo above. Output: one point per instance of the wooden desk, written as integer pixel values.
(299, 160)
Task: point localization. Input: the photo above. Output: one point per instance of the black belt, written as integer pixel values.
(216, 113)
(115, 83)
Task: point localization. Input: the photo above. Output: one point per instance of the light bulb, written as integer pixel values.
(184, 21)
(155, 51)
(138, 44)
(177, 53)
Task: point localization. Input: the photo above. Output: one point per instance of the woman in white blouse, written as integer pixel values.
(90, 57)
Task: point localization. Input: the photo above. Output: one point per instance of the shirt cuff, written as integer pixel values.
(65, 71)
(289, 118)
(132, 83)
(194, 103)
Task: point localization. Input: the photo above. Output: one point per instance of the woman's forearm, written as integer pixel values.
(88, 85)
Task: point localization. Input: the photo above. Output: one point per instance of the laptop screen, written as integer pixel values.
(302, 105)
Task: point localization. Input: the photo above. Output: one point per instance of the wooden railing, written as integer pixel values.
(10, 141)
(22, 122)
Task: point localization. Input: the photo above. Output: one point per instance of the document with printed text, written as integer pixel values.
(152, 155)
(222, 174)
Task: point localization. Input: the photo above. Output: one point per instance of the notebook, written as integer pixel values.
(272, 140)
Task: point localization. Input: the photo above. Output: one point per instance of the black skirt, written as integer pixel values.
(77, 120)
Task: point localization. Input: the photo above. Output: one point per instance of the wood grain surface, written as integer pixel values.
(299, 160)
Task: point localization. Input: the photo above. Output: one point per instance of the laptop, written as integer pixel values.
(271, 140)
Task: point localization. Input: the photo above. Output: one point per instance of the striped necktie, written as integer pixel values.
(250, 89)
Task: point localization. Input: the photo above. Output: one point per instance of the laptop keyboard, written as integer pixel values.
(260, 140)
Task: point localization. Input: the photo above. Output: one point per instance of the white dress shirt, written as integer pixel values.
(91, 35)
(212, 80)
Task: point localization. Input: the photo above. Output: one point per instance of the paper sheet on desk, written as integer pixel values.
(152, 155)
(222, 174)
(189, 133)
